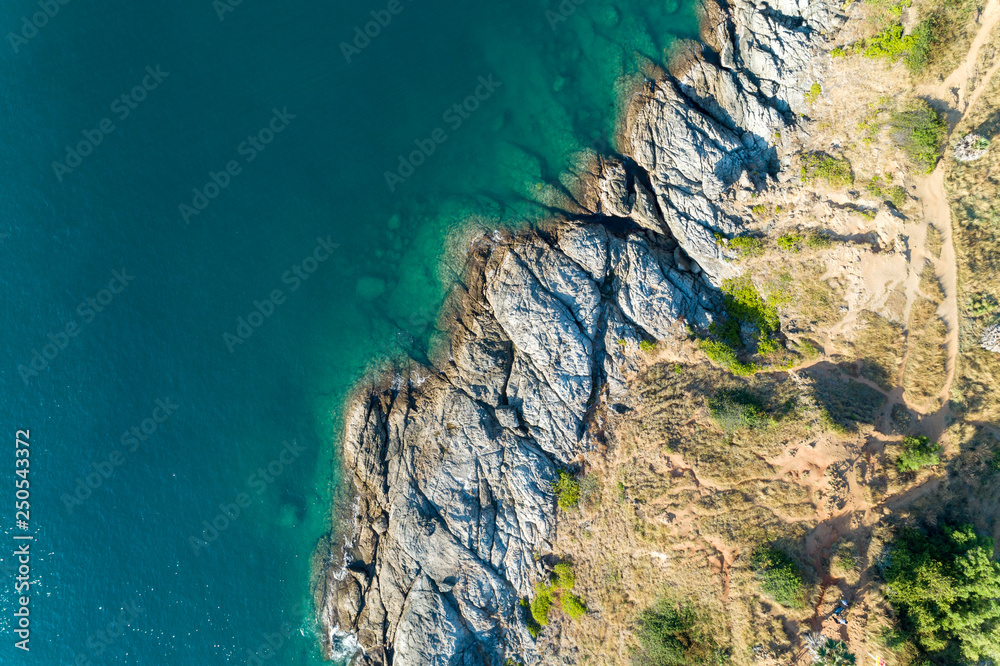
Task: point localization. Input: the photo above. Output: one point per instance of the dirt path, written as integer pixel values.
(930, 192)
(933, 199)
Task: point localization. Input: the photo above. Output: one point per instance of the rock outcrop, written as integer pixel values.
(453, 461)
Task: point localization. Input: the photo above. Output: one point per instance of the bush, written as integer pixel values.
(724, 355)
(674, 635)
(732, 410)
(945, 585)
(890, 44)
(541, 605)
(567, 490)
(573, 605)
(746, 246)
(921, 132)
(779, 576)
(744, 304)
(647, 347)
(834, 653)
(815, 90)
(563, 577)
(894, 193)
(918, 452)
(835, 171)
(789, 242)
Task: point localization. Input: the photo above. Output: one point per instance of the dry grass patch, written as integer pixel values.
(973, 190)
(927, 357)
(879, 345)
(930, 283)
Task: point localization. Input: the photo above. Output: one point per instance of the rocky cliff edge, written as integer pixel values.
(453, 462)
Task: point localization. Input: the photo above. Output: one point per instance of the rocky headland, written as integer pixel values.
(453, 461)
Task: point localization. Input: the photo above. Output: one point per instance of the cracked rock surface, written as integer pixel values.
(453, 462)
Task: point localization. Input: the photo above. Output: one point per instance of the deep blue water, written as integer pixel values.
(263, 101)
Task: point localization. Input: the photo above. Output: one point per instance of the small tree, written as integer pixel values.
(567, 490)
(945, 585)
(834, 653)
(918, 452)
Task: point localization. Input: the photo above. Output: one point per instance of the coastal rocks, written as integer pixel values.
(990, 340)
(453, 460)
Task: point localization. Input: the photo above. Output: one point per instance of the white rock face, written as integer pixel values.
(453, 463)
(990, 340)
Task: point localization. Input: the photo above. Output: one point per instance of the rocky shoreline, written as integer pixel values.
(453, 461)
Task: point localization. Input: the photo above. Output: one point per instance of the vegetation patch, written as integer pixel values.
(918, 452)
(567, 490)
(927, 358)
(779, 576)
(750, 324)
(895, 194)
(541, 605)
(790, 242)
(878, 345)
(921, 132)
(671, 634)
(836, 171)
(736, 409)
(834, 653)
(945, 585)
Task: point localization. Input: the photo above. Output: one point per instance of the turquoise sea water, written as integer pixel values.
(177, 364)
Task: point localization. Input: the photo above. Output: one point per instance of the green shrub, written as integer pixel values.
(918, 452)
(567, 490)
(789, 242)
(541, 605)
(779, 576)
(573, 605)
(563, 577)
(815, 90)
(725, 356)
(982, 304)
(835, 171)
(732, 410)
(994, 463)
(674, 635)
(745, 304)
(838, 52)
(834, 653)
(760, 210)
(894, 193)
(647, 347)
(746, 246)
(945, 585)
(921, 132)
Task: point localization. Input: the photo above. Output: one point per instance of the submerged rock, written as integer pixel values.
(453, 462)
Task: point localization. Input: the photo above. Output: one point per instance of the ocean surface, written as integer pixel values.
(215, 217)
